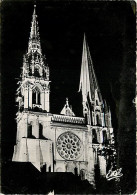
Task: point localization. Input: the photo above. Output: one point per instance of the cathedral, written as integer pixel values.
(60, 142)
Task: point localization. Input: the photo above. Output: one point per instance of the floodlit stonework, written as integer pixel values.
(60, 142)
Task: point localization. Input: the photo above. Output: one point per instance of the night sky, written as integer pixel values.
(110, 29)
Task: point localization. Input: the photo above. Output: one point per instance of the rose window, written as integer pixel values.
(69, 146)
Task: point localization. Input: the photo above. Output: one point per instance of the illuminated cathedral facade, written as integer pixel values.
(60, 142)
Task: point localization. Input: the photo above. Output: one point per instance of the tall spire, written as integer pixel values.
(88, 80)
(34, 63)
(34, 40)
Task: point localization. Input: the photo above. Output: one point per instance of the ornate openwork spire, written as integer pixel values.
(34, 40)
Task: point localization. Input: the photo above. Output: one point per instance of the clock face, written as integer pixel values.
(69, 146)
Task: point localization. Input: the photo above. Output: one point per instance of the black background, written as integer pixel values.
(110, 29)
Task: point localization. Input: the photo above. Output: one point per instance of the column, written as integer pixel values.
(91, 173)
(102, 165)
(30, 98)
(47, 101)
(42, 100)
(26, 98)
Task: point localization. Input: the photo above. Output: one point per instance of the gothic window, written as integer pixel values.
(94, 136)
(104, 137)
(97, 119)
(36, 72)
(29, 130)
(40, 130)
(69, 146)
(96, 102)
(36, 96)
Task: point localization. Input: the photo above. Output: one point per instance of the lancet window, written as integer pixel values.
(36, 96)
(104, 137)
(94, 136)
(29, 130)
(40, 130)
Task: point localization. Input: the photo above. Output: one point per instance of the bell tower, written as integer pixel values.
(33, 115)
(34, 88)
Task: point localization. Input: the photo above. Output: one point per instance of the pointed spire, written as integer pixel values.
(34, 40)
(88, 80)
(34, 27)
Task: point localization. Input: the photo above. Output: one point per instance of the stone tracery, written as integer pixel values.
(69, 146)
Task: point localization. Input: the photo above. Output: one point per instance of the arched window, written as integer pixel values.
(94, 136)
(29, 130)
(97, 119)
(36, 72)
(40, 130)
(36, 96)
(104, 137)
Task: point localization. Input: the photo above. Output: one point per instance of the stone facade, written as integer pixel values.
(60, 142)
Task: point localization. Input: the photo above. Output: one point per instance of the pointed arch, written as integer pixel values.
(36, 95)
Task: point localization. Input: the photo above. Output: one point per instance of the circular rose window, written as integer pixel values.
(69, 146)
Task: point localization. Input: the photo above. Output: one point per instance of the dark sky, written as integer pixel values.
(110, 31)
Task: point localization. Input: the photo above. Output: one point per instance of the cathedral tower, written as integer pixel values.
(34, 88)
(33, 99)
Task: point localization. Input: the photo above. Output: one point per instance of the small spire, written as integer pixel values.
(34, 28)
(67, 109)
(67, 102)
